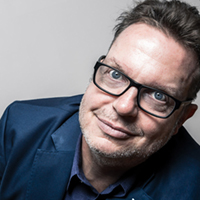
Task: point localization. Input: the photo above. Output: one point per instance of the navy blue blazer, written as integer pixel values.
(37, 144)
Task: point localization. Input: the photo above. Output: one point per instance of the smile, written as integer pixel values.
(113, 131)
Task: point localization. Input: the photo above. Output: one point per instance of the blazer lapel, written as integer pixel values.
(65, 138)
(51, 169)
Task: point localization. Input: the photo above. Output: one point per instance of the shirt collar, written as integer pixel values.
(76, 167)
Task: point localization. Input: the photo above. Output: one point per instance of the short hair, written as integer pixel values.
(177, 19)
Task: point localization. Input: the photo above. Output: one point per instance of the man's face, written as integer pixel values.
(114, 126)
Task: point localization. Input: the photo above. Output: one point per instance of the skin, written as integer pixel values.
(117, 134)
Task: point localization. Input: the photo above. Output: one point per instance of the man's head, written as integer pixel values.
(115, 127)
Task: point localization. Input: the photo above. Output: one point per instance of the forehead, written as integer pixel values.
(150, 57)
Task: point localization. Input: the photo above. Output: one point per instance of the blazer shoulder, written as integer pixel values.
(177, 169)
(34, 113)
(36, 119)
(68, 104)
(59, 102)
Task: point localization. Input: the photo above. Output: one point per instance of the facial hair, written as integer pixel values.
(123, 156)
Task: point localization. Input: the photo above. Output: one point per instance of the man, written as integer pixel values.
(133, 144)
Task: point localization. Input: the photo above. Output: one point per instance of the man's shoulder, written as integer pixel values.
(31, 113)
(46, 104)
(181, 152)
(184, 146)
(176, 168)
(38, 119)
(59, 102)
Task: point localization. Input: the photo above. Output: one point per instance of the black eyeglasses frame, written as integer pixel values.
(139, 86)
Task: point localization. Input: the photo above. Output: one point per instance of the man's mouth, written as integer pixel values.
(113, 130)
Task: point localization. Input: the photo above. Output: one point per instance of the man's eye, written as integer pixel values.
(115, 74)
(159, 96)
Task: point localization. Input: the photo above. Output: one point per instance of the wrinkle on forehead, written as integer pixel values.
(143, 51)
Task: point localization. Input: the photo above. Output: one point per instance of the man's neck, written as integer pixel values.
(99, 171)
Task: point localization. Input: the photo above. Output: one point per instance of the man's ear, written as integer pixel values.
(187, 112)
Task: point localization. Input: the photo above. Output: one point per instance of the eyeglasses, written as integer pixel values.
(153, 101)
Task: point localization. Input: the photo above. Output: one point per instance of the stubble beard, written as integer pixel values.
(131, 156)
(123, 157)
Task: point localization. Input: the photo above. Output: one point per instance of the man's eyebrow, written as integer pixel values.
(113, 63)
(166, 89)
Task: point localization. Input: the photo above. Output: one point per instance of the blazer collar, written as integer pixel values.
(65, 138)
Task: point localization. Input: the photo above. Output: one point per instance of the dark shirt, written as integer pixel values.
(80, 188)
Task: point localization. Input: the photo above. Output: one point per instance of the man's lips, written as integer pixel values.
(112, 130)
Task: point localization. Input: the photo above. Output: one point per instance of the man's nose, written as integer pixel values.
(126, 104)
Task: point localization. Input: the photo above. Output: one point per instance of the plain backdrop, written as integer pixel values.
(48, 47)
